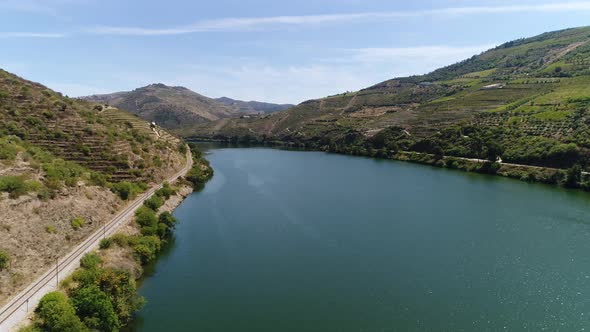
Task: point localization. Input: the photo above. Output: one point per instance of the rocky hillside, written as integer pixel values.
(66, 166)
(170, 107)
(530, 96)
(253, 106)
(178, 108)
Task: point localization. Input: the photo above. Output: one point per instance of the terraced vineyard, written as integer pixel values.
(102, 139)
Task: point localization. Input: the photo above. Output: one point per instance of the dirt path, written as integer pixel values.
(17, 309)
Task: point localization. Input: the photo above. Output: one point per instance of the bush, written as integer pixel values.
(17, 185)
(61, 170)
(167, 219)
(126, 190)
(56, 314)
(166, 191)
(154, 202)
(146, 217)
(98, 179)
(90, 261)
(105, 243)
(8, 151)
(77, 223)
(4, 260)
(146, 248)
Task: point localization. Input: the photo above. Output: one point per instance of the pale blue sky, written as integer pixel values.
(268, 50)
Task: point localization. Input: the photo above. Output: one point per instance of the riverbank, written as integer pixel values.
(568, 178)
(102, 294)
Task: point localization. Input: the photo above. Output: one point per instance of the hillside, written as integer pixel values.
(170, 107)
(177, 108)
(66, 166)
(529, 96)
(253, 106)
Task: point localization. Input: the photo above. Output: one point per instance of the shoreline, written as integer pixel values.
(112, 268)
(527, 173)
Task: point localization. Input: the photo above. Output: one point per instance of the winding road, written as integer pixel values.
(17, 309)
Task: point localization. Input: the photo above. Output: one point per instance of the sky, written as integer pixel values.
(266, 50)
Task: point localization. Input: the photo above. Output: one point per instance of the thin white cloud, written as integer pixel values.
(30, 35)
(240, 24)
(418, 54)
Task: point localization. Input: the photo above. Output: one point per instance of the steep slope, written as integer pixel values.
(66, 166)
(253, 106)
(529, 95)
(170, 107)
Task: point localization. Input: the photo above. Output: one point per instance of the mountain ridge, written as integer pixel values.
(176, 107)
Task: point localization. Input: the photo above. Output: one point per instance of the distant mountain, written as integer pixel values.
(170, 107)
(176, 107)
(253, 106)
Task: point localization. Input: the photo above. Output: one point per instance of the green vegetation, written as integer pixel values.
(55, 313)
(77, 223)
(154, 202)
(201, 172)
(128, 190)
(166, 191)
(4, 260)
(62, 142)
(17, 185)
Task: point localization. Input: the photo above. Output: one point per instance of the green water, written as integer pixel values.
(304, 241)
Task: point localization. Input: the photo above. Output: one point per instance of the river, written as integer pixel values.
(309, 241)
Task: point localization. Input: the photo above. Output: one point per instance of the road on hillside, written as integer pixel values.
(16, 310)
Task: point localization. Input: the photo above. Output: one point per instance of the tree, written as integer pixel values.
(573, 176)
(95, 308)
(120, 286)
(56, 314)
(493, 151)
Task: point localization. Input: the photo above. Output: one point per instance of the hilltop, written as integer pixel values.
(66, 166)
(528, 98)
(253, 106)
(178, 107)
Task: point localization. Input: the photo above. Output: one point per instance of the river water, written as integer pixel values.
(308, 241)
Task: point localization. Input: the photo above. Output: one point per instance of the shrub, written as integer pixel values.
(154, 202)
(56, 314)
(8, 151)
(77, 223)
(146, 248)
(105, 243)
(166, 191)
(17, 185)
(4, 260)
(61, 170)
(167, 218)
(126, 190)
(50, 229)
(98, 179)
(146, 216)
(90, 261)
